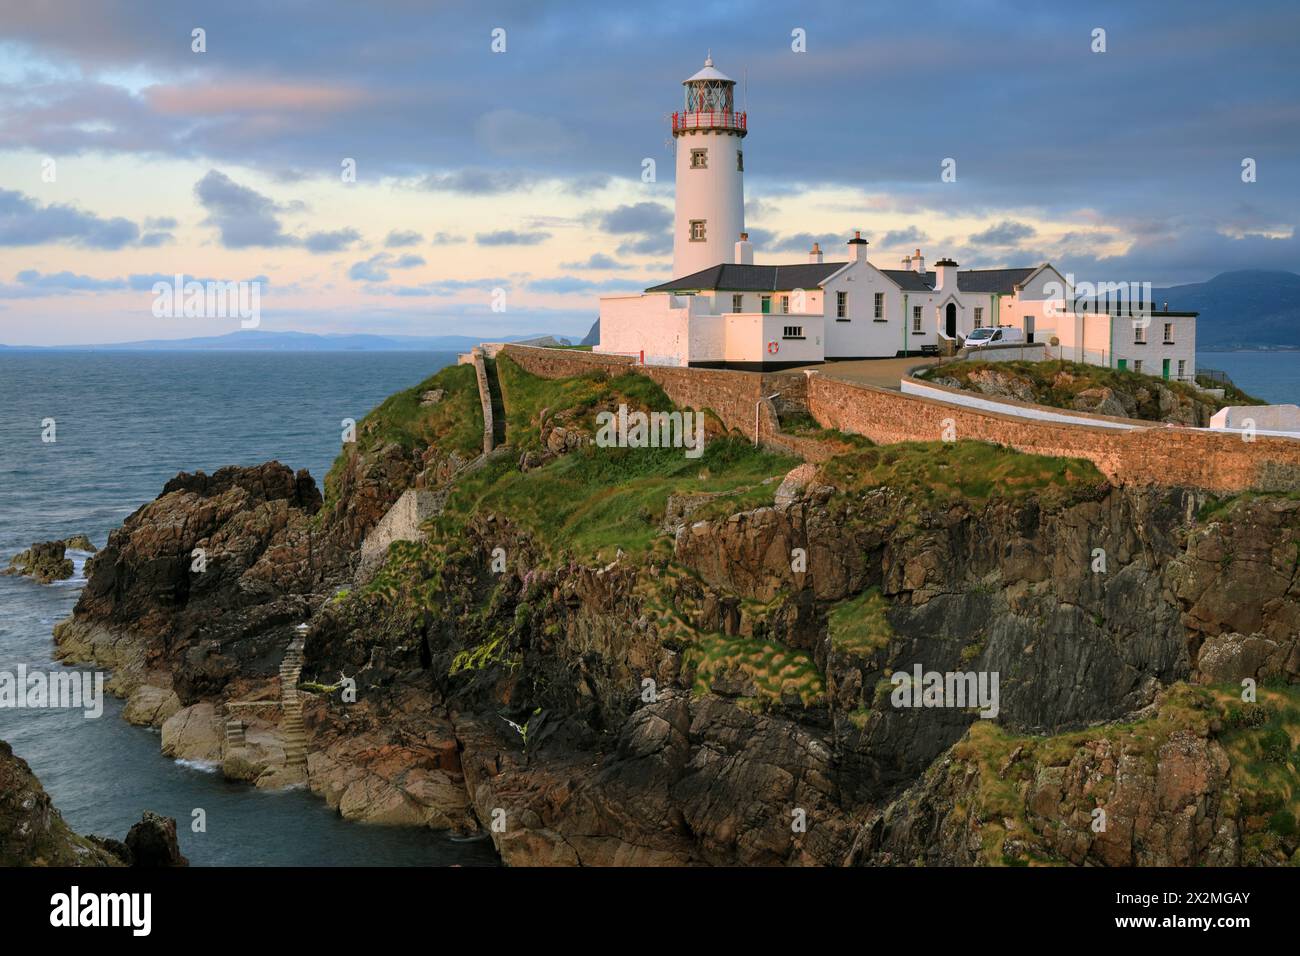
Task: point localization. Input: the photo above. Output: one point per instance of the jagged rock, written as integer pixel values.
(32, 832)
(153, 842)
(151, 706)
(193, 733)
(79, 542)
(43, 561)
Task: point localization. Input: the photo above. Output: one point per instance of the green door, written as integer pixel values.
(1123, 364)
(1165, 369)
(767, 304)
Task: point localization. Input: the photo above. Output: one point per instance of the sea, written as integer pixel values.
(124, 423)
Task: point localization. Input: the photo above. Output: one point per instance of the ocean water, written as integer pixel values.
(125, 423)
(1272, 376)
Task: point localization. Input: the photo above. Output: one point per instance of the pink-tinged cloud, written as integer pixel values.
(251, 98)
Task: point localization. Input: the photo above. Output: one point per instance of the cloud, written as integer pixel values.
(24, 223)
(398, 239)
(1005, 233)
(219, 99)
(151, 240)
(334, 241)
(638, 217)
(798, 242)
(243, 216)
(375, 269)
(479, 182)
(510, 237)
(598, 260)
(903, 237)
(509, 132)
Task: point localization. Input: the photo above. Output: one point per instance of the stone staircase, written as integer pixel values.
(291, 725)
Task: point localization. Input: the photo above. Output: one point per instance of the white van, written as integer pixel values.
(1002, 335)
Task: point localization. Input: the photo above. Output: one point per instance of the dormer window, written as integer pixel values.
(699, 159)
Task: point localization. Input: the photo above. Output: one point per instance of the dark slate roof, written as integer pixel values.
(911, 281)
(731, 277)
(992, 280)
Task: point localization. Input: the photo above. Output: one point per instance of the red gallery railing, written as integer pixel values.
(708, 119)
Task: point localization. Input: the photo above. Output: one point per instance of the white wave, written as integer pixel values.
(203, 766)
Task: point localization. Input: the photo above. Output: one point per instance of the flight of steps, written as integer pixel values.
(291, 725)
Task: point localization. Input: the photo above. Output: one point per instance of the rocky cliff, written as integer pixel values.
(627, 656)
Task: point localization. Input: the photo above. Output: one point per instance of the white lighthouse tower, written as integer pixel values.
(710, 211)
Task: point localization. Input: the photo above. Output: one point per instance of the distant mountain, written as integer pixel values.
(304, 342)
(593, 334)
(1245, 309)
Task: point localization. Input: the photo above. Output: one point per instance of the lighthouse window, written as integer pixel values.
(699, 159)
(740, 160)
(697, 230)
(792, 332)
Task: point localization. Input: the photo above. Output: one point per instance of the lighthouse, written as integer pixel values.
(710, 212)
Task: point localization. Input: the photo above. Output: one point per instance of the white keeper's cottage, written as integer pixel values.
(726, 311)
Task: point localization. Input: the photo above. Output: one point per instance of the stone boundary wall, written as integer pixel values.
(1012, 406)
(1155, 455)
(485, 399)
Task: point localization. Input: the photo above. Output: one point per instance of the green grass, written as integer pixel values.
(776, 671)
(455, 424)
(970, 470)
(526, 396)
(596, 500)
(859, 625)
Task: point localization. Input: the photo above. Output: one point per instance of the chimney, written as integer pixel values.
(744, 250)
(907, 263)
(816, 254)
(945, 275)
(918, 262)
(857, 247)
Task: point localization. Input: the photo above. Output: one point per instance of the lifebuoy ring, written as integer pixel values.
(773, 347)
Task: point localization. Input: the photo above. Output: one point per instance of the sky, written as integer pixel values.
(499, 150)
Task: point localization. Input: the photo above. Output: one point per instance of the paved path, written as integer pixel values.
(885, 373)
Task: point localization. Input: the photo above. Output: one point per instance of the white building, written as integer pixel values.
(726, 311)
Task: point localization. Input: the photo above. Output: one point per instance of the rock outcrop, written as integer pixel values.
(716, 690)
(44, 562)
(32, 832)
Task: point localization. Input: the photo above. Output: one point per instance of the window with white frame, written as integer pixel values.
(916, 319)
(1137, 365)
(1182, 368)
(1169, 333)
(1139, 333)
(841, 305)
(878, 311)
(785, 305)
(979, 317)
(737, 303)
(792, 332)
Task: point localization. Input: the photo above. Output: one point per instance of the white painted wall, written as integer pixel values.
(715, 194)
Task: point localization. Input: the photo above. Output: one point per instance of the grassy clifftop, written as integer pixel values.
(1089, 388)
